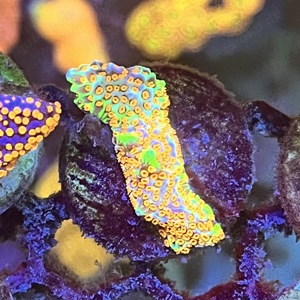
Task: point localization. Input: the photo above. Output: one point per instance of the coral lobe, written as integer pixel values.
(24, 122)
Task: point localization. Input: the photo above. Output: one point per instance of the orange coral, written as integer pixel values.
(9, 24)
(165, 28)
(72, 27)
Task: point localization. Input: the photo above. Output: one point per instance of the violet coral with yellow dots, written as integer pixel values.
(24, 122)
(9, 24)
(135, 105)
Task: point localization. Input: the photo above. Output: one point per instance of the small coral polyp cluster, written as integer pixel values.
(135, 105)
(165, 28)
(24, 123)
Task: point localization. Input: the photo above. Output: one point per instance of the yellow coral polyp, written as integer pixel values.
(149, 152)
(165, 28)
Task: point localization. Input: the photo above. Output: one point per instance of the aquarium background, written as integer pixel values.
(259, 62)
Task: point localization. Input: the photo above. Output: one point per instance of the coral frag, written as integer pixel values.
(88, 164)
(165, 28)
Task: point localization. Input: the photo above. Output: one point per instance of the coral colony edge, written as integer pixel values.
(135, 105)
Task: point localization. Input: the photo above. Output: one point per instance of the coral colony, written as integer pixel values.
(25, 121)
(214, 159)
(179, 28)
(135, 105)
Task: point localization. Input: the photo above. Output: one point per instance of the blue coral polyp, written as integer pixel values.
(24, 123)
(135, 105)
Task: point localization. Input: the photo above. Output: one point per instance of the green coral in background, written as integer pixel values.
(10, 73)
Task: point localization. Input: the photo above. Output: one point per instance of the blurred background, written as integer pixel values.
(45, 38)
(252, 46)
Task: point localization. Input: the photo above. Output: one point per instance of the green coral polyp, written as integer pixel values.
(135, 105)
(148, 157)
(127, 139)
(217, 229)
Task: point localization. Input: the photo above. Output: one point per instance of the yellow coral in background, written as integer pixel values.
(47, 183)
(72, 27)
(165, 28)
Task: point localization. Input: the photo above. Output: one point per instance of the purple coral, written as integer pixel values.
(251, 259)
(288, 175)
(216, 142)
(41, 220)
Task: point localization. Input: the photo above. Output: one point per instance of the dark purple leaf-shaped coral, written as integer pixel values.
(214, 136)
(288, 175)
(96, 194)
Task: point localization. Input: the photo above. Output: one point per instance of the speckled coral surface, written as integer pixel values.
(216, 142)
(135, 103)
(288, 175)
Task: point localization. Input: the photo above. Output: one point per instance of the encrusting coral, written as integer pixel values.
(13, 82)
(24, 122)
(165, 28)
(135, 104)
